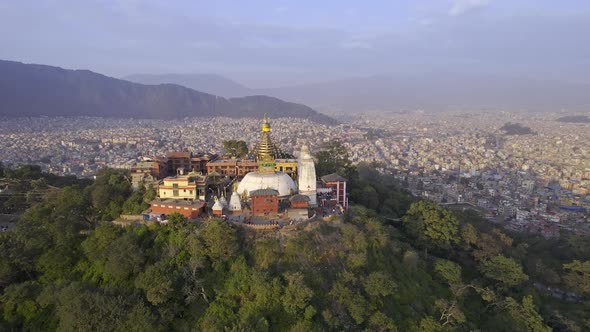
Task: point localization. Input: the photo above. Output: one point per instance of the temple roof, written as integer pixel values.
(264, 192)
(333, 178)
(299, 198)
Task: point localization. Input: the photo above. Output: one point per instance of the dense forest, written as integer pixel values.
(392, 264)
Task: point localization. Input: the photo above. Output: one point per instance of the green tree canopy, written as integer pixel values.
(333, 158)
(503, 269)
(235, 148)
(578, 276)
(433, 225)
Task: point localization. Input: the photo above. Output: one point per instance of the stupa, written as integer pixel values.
(267, 177)
(235, 205)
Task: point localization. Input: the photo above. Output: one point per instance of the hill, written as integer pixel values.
(39, 90)
(208, 83)
(63, 269)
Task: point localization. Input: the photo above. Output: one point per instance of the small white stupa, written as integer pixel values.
(223, 201)
(217, 208)
(235, 205)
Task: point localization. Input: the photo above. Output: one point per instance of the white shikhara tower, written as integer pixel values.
(306, 176)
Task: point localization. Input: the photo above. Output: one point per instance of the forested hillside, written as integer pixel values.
(64, 267)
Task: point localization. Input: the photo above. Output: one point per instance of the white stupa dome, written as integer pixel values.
(278, 181)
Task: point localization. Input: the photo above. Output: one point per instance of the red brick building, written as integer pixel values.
(264, 202)
(338, 185)
(187, 161)
(299, 201)
(189, 209)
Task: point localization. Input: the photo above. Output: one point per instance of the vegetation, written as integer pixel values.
(333, 158)
(27, 184)
(235, 148)
(64, 268)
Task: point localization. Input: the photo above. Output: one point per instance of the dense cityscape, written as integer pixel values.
(537, 182)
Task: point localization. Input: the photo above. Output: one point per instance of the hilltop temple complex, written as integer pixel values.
(269, 184)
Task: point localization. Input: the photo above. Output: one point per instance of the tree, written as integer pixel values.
(297, 295)
(448, 271)
(503, 269)
(109, 191)
(380, 322)
(220, 241)
(176, 219)
(266, 252)
(334, 159)
(234, 148)
(450, 312)
(524, 316)
(578, 276)
(378, 284)
(433, 225)
(469, 235)
(135, 204)
(157, 283)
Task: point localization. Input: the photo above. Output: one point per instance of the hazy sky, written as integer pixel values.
(270, 43)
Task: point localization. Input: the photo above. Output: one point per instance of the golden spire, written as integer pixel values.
(265, 150)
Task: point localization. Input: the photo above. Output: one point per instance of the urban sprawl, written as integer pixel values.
(536, 182)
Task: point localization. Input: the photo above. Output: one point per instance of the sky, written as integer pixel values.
(275, 43)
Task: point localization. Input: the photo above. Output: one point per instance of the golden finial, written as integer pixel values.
(265, 123)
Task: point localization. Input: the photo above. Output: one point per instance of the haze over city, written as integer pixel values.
(266, 44)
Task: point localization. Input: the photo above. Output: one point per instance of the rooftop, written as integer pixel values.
(179, 202)
(333, 178)
(264, 192)
(299, 198)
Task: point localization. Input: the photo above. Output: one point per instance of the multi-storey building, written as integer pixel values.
(187, 162)
(232, 167)
(180, 187)
(148, 171)
(338, 185)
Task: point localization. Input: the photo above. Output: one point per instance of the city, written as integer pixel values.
(538, 183)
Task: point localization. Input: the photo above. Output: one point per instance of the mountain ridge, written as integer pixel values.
(41, 90)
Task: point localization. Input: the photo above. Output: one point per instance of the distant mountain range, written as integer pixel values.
(208, 83)
(39, 90)
(430, 92)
